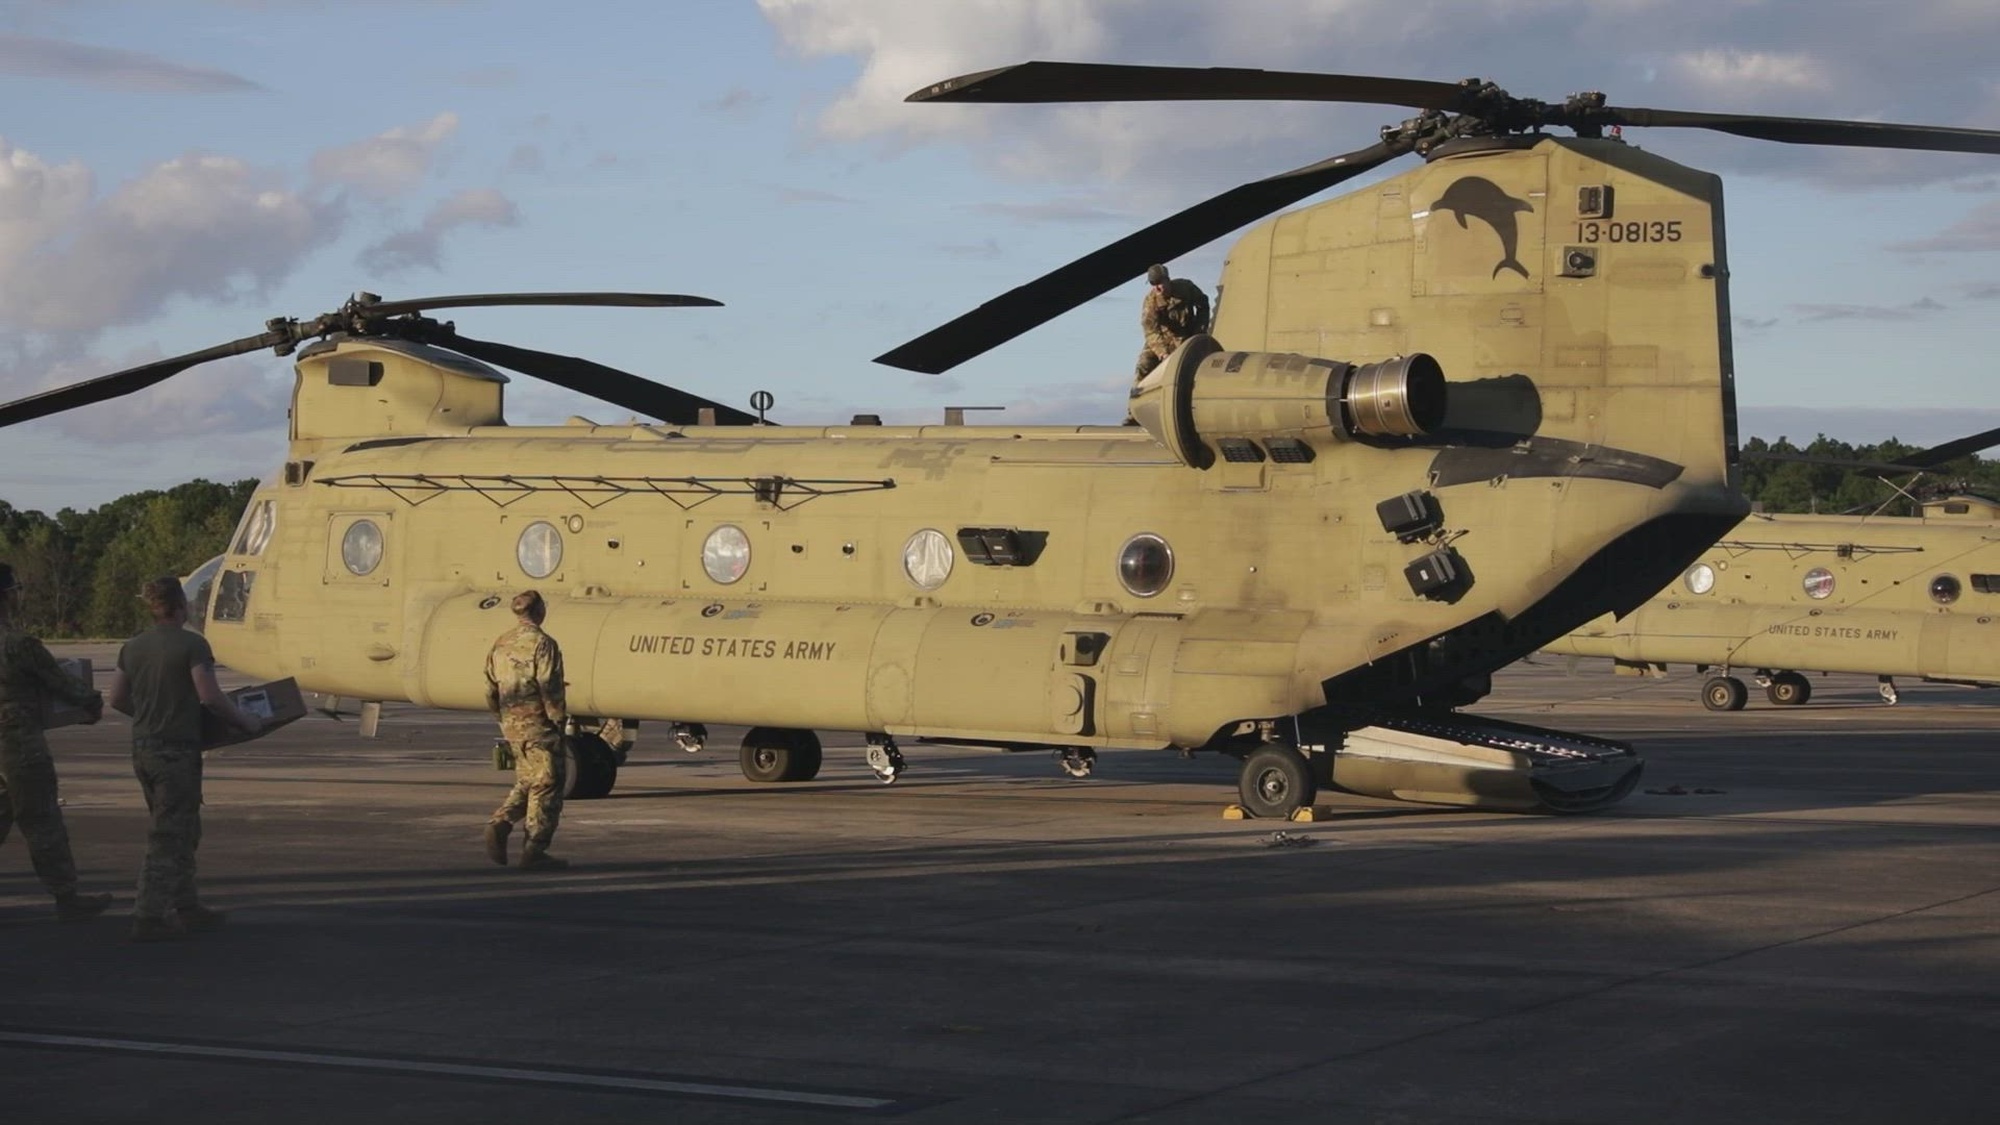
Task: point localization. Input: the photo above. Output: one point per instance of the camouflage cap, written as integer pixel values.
(1156, 275)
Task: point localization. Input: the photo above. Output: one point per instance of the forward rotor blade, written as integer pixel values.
(620, 388)
(1108, 82)
(1952, 450)
(121, 383)
(1816, 131)
(478, 300)
(1064, 288)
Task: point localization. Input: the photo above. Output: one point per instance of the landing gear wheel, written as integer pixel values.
(1276, 782)
(1077, 761)
(690, 737)
(885, 760)
(777, 754)
(1788, 689)
(591, 770)
(1887, 689)
(1724, 693)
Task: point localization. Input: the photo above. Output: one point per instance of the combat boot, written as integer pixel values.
(496, 840)
(74, 907)
(201, 920)
(148, 927)
(536, 857)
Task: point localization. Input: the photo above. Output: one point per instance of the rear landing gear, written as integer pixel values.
(1724, 693)
(775, 754)
(1886, 687)
(1788, 689)
(884, 758)
(590, 767)
(1077, 761)
(1276, 782)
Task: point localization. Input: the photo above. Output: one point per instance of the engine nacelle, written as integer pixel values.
(1204, 402)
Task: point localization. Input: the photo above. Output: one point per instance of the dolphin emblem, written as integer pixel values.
(1480, 198)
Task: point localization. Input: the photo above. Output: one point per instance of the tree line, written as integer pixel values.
(81, 571)
(1841, 486)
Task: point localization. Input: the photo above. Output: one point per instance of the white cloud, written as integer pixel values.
(1931, 63)
(1915, 310)
(1750, 74)
(423, 245)
(737, 103)
(201, 226)
(1979, 230)
(525, 159)
(34, 57)
(389, 163)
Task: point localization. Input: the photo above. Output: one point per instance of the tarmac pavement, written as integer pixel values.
(1796, 918)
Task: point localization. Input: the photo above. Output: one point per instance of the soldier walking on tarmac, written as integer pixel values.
(524, 687)
(30, 677)
(166, 679)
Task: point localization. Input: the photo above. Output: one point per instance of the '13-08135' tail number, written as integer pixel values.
(1631, 231)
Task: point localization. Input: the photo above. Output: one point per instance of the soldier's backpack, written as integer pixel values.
(1186, 311)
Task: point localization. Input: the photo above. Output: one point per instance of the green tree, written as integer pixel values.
(81, 571)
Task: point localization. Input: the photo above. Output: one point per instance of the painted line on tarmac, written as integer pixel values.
(541, 1076)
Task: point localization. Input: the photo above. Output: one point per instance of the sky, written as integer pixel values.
(175, 172)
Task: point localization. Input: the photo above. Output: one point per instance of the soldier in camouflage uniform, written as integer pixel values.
(29, 678)
(524, 687)
(1174, 310)
(166, 681)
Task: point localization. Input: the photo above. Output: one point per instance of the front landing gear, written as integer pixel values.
(1724, 693)
(1886, 687)
(1276, 782)
(884, 758)
(1077, 761)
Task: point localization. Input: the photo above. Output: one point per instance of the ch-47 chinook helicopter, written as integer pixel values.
(1881, 595)
(1303, 561)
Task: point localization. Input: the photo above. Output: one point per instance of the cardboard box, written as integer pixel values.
(277, 703)
(63, 714)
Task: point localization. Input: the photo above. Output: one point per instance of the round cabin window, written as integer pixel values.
(361, 548)
(725, 554)
(927, 559)
(1145, 564)
(1944, 589)
(1818, 582)
(540, 550)
(1700, 578)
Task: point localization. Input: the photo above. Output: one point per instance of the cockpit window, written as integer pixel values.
(258, 523)
(232, 595)
(198, 586)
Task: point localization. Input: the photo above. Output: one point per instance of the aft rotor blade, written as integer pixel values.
(122, 383)
(620, 388)
(1110, 82)
(1833, 462)
(1816, 131)
(479, 300)
(1064, 288)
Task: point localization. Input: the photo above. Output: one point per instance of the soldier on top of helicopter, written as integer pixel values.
(1174, 309)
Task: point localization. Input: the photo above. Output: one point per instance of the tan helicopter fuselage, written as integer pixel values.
(1573, 292)
(1881, 595)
